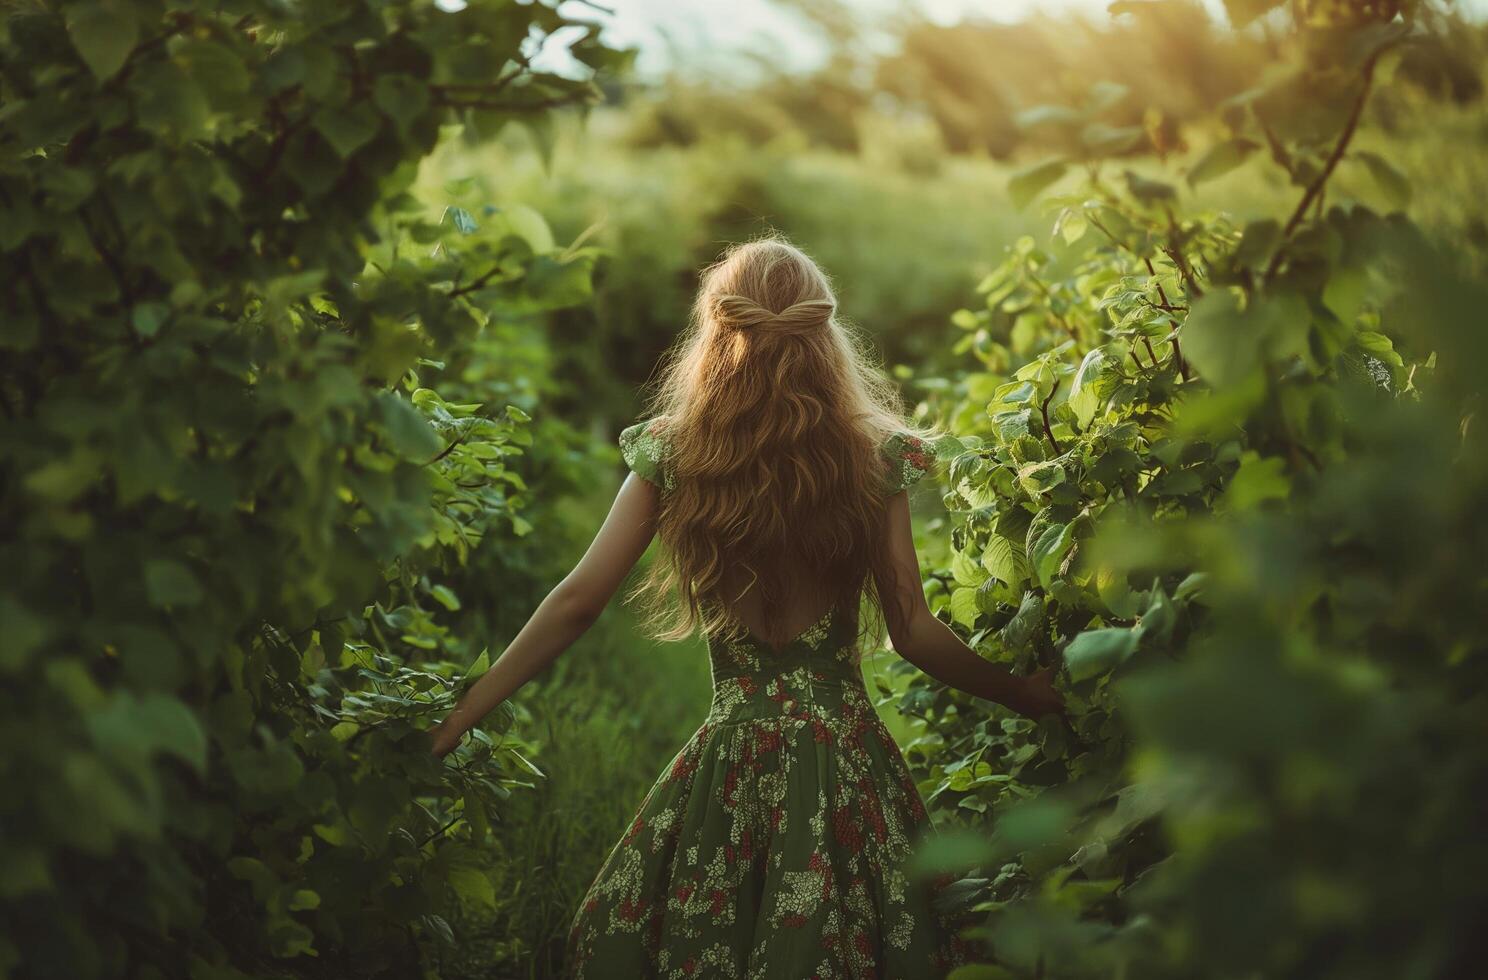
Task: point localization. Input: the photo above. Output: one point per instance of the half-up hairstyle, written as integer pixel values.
(774, 418)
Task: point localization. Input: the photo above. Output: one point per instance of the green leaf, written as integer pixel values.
(147, 318)
(1096, 651)
(1217, 340)
(1395, 184)
(1026, 184)
(104, 34)
(479, 666)
(1220, 159)
(1048, 115)
(402, 97)
(965, 570)
(1148, 191)
(138, 728)
(1037, 478)
(446, 597)
(1257, 242)
(1049, 551)
(347, 128)
(964, 608)
(1257, 480)
(1004, 560)
(1084, 398)
(169, 583)
(474, 887)
(409, 435)
(531, 226)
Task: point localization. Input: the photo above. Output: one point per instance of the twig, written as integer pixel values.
(476, 283)
(1162, 295)
(1049, 301)
(450, 448)
(1044, 411)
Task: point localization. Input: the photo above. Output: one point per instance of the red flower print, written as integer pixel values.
(794, 921)
(635, 828)
(747, 685)
(720, 899)
(920, 461)
(768, 740)
(845, 828)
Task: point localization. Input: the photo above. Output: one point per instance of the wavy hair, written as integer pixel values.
(774, 415)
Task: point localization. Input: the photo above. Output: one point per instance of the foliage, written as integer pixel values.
(237, 499)
(1230, 477)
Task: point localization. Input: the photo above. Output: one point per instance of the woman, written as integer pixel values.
(774, 472)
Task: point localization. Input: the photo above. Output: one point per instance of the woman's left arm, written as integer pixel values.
(567, 612)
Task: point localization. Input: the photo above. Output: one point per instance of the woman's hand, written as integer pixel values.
(1038, 696)
(441, 743)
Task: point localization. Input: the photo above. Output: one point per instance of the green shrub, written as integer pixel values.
(232, 507)
(1231, 478)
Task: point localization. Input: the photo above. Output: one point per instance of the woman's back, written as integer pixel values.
(808, 595)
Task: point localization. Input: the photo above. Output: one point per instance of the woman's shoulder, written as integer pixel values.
(645, 448)
(908, 457)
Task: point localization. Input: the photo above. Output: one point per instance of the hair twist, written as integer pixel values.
(743, 313)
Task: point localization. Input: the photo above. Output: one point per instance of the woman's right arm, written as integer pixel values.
(566, 614)
(934, 647)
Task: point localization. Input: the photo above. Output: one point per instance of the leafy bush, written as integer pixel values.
(237, 504)
(1231, 478)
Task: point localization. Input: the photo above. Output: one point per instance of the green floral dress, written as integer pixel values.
(770, 846)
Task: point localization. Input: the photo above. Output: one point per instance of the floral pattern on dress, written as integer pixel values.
(772, 844)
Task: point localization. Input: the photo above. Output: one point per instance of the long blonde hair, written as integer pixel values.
(774, 416)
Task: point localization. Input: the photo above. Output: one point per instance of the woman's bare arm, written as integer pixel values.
(567, 612)
(934, 647)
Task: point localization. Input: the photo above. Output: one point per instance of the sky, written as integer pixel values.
(700, 29)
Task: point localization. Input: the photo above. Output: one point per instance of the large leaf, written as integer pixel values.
(104, 34)
(1220, 159)
(1025, 185)
(1096, 651)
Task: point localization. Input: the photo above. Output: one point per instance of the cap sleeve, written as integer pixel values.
(644, 449)
(908, 458)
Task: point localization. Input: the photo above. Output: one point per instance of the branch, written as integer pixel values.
(540, 105)
(1339, 146)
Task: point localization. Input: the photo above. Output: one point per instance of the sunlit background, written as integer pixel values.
(710, 35)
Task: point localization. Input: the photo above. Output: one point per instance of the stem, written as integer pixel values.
(1044, 411)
